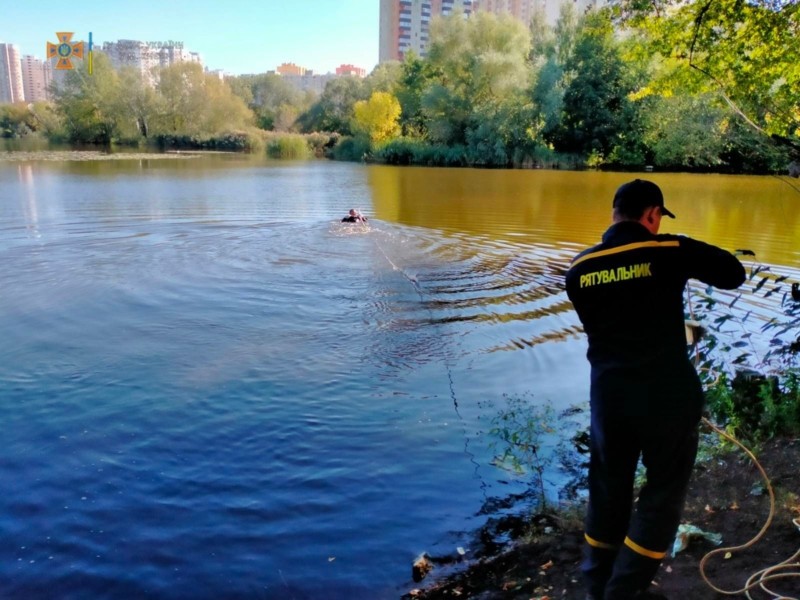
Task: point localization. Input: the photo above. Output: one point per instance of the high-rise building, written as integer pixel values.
(36, 78)
(404, 24)
(525, 9)
(131, 53)
(11, 89)
(147, 56)
(519, 9)
(170, 55)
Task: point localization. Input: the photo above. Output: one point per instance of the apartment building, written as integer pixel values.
(292, 69)
(350, 71)
(404, 24)
(146, 57)
(11, 87)
(519, 9)
(37, 75)
(306, 80)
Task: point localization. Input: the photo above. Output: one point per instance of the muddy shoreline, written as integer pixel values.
(727, 495)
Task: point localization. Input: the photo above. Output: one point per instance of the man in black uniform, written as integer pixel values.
(646, 397)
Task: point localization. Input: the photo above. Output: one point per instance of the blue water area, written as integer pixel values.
(211, 388)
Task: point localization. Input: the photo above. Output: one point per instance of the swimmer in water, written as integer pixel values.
(354, 216)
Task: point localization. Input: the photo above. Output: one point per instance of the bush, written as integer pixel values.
(22, 120)
(521, 430)
(445, 156)
(411, 151)
(276, 145)
(400, 151)
(321, 143)
(351, 148)
(232, 141)
(288, 146)
(780, 398)
(754, 386)
(529, 438)
(756, 407)
(537, 157)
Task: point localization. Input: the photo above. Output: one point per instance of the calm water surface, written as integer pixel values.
(211, 388)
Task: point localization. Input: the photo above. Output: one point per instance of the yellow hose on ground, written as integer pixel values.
(790, 568)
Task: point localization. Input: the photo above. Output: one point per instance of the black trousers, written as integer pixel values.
(625, 543)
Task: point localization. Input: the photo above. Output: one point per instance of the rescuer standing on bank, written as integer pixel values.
(646, 397)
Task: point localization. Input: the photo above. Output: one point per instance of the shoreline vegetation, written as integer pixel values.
(530, 546)
(679, 86)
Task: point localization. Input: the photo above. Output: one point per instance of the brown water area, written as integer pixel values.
(569, 209)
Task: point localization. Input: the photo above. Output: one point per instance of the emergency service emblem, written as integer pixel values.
(65, 50)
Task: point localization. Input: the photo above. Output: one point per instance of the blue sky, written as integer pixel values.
(239, 36)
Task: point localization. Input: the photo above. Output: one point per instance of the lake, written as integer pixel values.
(212, 388)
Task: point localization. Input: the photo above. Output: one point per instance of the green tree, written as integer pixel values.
(192, 103)
(417, 75)
(16, 120)
(747, 150)
(685, 131)
(547, 96)
(136, 104)
(333, 111)
(384, 78)
(551, 48)
(89, 105)
(480, 65)
(746, 52)
(47, 120)
(377, 118)
(596, 108)
(504, 136)
(285, 117)
(543, 39)
(568, 26)
(242, 86)
(273, 99)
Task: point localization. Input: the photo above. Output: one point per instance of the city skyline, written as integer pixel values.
(236, 36)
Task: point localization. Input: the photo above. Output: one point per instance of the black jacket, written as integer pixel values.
(628, 292)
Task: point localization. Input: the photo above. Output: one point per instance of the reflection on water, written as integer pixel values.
(209, 383)
(29, 204)
(498, 284)
(572, 209)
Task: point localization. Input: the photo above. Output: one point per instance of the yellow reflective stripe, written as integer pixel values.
(596, 544)
(643, 551)
(625, 248)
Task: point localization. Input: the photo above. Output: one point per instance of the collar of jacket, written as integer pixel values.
(626, 232)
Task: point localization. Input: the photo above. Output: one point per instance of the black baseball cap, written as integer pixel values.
(637, 195)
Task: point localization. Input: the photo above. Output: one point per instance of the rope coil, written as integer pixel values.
(790, 566)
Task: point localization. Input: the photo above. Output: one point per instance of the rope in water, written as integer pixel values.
(789, 568)
(415, 283)
(413, 280)
(447, 365)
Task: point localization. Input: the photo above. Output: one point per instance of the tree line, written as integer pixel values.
(702, 85)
